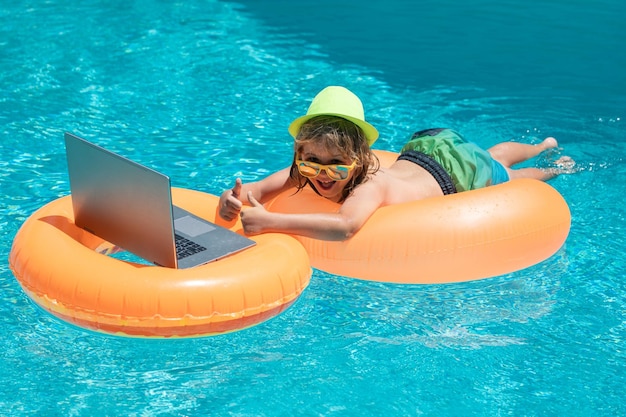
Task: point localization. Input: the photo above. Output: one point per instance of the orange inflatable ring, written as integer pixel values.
(459, 237)
(59, 267)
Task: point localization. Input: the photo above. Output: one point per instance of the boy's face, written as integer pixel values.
(327, 187)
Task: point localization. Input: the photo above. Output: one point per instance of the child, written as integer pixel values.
(333, 156)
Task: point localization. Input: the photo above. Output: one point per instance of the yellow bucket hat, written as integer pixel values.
(340, 102)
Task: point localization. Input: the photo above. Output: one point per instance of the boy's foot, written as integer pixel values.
(549, 143)
(565, 164)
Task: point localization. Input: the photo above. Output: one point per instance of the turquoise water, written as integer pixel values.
(204, 91)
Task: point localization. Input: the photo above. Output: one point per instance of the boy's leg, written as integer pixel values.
(511, 153)
(535, 173)
(563, 165)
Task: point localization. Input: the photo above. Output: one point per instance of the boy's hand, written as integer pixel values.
(230, 205)
(254, 218)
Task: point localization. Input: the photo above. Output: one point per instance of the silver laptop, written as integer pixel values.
(130, 206)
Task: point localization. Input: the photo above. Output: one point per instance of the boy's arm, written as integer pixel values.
(267, 188)
(324, 226)
(264, 190)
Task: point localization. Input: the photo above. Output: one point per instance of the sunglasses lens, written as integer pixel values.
(307, 170)
(337, 173)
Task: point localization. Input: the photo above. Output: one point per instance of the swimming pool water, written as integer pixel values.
(204, 91)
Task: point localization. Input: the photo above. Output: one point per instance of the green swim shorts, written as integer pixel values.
(469, 166)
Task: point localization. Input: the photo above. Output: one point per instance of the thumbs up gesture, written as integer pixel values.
(230, 205)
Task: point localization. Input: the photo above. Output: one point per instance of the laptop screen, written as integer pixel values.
(121, 201)
(130, 206)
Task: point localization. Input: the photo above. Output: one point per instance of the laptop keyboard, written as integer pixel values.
(185, 247)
